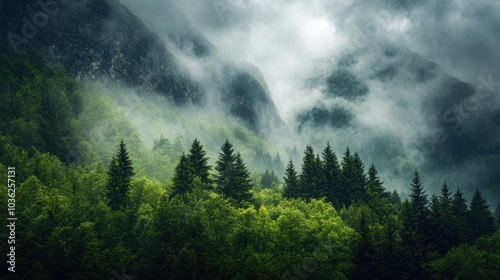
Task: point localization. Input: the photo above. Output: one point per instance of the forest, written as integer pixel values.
(114, 207)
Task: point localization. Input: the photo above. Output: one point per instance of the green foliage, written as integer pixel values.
(233, 178)
(199, 162)
(481, 220)
(60, 135)
(291, 182)
(120, 172)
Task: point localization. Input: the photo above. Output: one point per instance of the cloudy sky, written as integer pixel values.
(391, 64)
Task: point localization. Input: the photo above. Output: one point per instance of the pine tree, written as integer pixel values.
(333, 173)
(460, 219)
(481, 219)
(441, 221)
(395, 198)
(364, 257)
(278, 164)
(268, 178)
(233, 179)
(241, 181)
(308, 180)
(224, 167)
(120, 172)
(390, 254)
(347, 170)
(291, 182)
(199, 162)
(415, 229)
(375, 186)
(377, 197)
(183, 178)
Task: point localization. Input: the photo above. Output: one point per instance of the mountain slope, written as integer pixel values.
(103, 41)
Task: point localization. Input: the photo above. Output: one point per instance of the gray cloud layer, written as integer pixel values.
(406, 53)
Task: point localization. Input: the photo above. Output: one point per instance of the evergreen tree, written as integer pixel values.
(199, 162)
(481, 219)
(442, 221)
(224, 167)
(278, 164)
(390, 253)
(291, 182)
(309, 180)
(364, 257)
(241, 181)
(332, 174)
(460, 218)
(441, 228)
(233, 178)
(120, 172)
(353, 178)
(184, 175)
(268, 178)
(377, 198)
(375, 186)
(395, 198)
(358, 191)
(415, 229)
(347, 170)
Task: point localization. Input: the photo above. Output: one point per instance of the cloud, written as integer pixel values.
(406, 53)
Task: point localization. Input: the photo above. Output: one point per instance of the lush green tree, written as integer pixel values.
(395, 198)
(333, 173)
(390, 250)
(269, 178)
(242, 184)
(120, 172)
(415, 229)
(233, 179)
(184, 175)
(353, 179)
(364, 258)
(309, 180)
(291, 182)
(481, 220)
(224, 167)
(199, 162)
(460, 218)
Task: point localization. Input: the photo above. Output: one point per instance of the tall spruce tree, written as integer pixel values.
(184, 175)
(308, 179)
(353, 178)
(332, 174)
(364, 258)
(390, 253)
(199, 162)
(242, 184)
(375, 185)
(224, 167)
(347, 175)
(481, 219)
(232, 178)
(120, 174)
(291, 181)
(441, 221)
(460, 218)
(415, 229)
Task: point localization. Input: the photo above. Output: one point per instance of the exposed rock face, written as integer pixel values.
(102, 40)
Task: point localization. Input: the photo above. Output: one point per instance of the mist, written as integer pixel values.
(407, 85)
